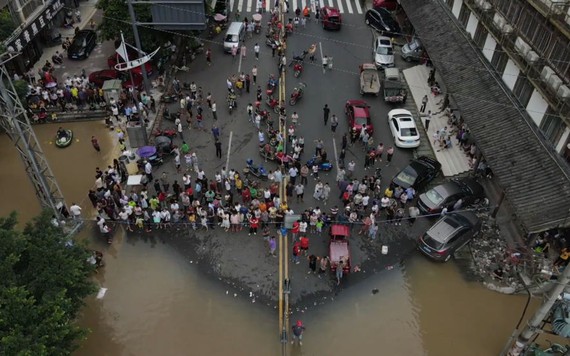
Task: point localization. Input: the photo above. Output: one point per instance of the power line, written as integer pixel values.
(336, 69)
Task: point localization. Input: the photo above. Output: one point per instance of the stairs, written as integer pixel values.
(454, 160)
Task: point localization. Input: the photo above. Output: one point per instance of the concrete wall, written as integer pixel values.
(561, 146)
(536, 107)
(489, 47)
(511, 74)
(472, 24)
(456, 8)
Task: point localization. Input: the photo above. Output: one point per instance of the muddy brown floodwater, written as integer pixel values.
(159, 303)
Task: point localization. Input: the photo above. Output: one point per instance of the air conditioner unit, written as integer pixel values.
(563, 92)
(557, 6)
(521, 46)
(485, 5)
(499, 21)
(532, 57)
(507, 29)
(546, 73)
(554, 82)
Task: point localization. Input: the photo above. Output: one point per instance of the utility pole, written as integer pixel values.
(138, 41)
(14, 120)
(534, 323)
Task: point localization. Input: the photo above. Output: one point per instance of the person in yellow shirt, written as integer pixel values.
(389, 192)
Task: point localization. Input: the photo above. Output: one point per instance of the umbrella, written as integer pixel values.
(256, 17)
(51, 85)
(163, 144)
(146, 151)
(219, 17)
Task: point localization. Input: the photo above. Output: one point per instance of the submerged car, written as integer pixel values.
(83, 44)
(403, 128)
(448, 235)
(382, 21)
(358, 114)
(446, 195)
(418, 173)
(383, 52)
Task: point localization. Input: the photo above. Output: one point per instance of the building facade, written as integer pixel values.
(38, 24)
(528, 44)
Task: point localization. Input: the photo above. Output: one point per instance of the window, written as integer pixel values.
(480, 35)
(464, 15)
(31, 6)
(552, 127)
(499, 60)
(523, 89)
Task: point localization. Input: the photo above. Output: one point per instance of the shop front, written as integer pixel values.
(36, 35)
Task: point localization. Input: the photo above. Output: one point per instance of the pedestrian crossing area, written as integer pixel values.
(252, 6)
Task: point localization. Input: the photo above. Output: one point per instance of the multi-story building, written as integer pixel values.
(528, 43)
(505, 64)
(37, 23)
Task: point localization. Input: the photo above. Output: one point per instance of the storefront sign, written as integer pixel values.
(36, 26)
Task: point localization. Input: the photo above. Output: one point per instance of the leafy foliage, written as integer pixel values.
(7, 24)
(117, 19)
(43, 284)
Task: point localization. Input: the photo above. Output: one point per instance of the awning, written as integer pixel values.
(34, 27)
(534, 177)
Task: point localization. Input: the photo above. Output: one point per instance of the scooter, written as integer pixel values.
(257, 171)
(167, 133)
(271, 85)
(297, 69)
(169, 98)
(297, 94)
(273, 104)
(323, 166)
(232, 102)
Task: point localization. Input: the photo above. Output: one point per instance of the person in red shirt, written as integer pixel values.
(295, 230)
(245, 195)
(296, 252)
(253, 225)
(304, 244)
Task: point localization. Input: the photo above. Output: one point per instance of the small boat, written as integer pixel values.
(64, 141)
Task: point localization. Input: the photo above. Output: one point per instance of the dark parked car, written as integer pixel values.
(447, 194)
(99, 77)
(82, 45)
(382, 21)
(448, 235)
(418, 173)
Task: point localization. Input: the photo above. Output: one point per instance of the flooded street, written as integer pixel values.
(159, 303)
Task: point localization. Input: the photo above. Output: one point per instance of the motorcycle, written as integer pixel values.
(168, 133)
(257, 171)
(273, 104)
(323, 166)
(297, 69)
(169, 98)
(297, 94)
(271, 85)
(265, 116)
(232, 102)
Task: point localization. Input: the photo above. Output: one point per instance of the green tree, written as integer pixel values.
(7, 27)
(7, 24)
(43, 283)
(117, 19)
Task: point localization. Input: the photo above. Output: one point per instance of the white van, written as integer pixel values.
(235, 34)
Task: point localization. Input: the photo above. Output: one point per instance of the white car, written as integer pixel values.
(403, 128)
(383, 52)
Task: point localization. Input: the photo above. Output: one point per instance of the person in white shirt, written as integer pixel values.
(75, 210)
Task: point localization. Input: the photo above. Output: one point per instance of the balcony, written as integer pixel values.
(557, 11)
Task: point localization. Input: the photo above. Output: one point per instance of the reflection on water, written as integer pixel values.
(458, 317)
(73, 167)
(158, 303)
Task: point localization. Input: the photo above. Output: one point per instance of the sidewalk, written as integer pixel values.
(453, 160)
